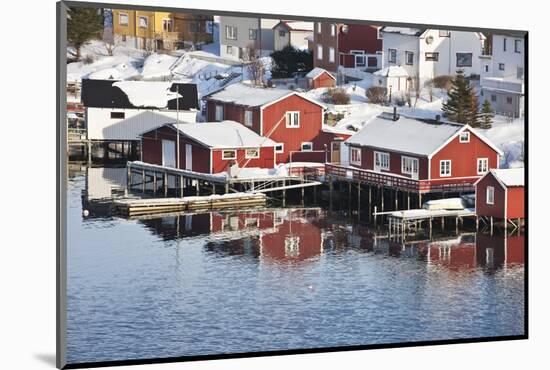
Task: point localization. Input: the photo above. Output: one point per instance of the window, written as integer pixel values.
(229, 154)
(409, 58)
(248, 118)
(355, 156)
(230, 32)
(517, 46)
(333, 30)
(392, 56)
(219, 113)
(445, 168)
(318, 27)
(123, 38)
(508, 100)
(432, 57)
(482, 165)
(409, 165)
(501, 66)
(320, 52)
(463, 59)
(519, 74)
(444, 33)
(360, 60)
(117, 115)
(293, 119)
(486, 68)
(167, 25)
(123, 19)
(252, 34)
(381, 161)
(282, 33)
(229, 49)
(307, 147)
(279, 148)
(292, 246)
(464, 137)
(504, 44)
(493, 98)
(143, 22)
(331, 55)
(252, 153)
(490, 195)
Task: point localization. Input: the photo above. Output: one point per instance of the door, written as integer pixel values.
(189, 157)
(168, 153)
(381, 161)
(335, 152)
(414, 173)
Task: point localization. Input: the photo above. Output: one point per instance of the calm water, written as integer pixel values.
(271, 280)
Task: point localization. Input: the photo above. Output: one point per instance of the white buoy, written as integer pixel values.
(85, 213)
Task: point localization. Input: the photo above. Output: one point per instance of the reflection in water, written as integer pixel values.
(258, 280)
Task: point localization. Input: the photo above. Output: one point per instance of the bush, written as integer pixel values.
(400, 99)
(376, 94)
(335, 95)
(88, 59)
(443, 82)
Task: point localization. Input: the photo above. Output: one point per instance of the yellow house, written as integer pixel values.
(154, 30)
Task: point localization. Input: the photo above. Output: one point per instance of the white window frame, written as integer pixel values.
(333, 30)
(291, 123)
(450, 172)
(224, 157)
(120, 15)
(444, 33)
(167, 25)
(319, 51)
(411, 170)
(229, 34)
(490, 195)
(248, 118)
(358, 153)
(331, 55)
(466, 139)
(219, 108)
(252, 156)
(229, 49)
(319, 27)
(282, 150)
(143, 17)
(382, 155)
(462, 65)
(394, 59)
(433, 56)
(484, 162)
(407, 53)
(517, 45)
(306, 143)
(252, 33)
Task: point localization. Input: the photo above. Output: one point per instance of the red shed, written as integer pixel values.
(419, 155)
(210, 147)
(500, 194)
(290, 119)
(319, 77)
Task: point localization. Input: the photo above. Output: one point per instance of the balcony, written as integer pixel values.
(505, 84)
(399, 182)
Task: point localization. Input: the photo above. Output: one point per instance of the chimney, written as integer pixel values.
(438, 118)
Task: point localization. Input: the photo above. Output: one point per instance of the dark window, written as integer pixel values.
(392, 55)
(463, 59)
(508, 100)
(504, 44)
(486, 68)
(501, 66)
(409, 58)
(252, 34)
(493, 98)
(517, 45)
(117, 115)
(434, 57)
(282, 33)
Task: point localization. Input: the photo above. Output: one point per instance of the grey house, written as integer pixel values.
(241, 35)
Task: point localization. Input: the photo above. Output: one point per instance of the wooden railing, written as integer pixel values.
(399, 182)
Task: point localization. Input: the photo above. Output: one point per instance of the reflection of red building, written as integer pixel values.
(457, 254)
(498, 250)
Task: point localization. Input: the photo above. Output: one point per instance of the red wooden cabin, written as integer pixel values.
(417, 155)
(207, 147)
(319, 77)
(293, 121)
(500, 194)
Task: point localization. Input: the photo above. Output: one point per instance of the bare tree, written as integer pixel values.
(417, 88)
(255, 67)
(430, 86)
(408, 92)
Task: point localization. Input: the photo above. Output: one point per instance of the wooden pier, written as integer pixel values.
(138, 207)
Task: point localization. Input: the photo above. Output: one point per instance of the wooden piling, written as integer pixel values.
(143, 181)
(359, 201)
(164, 183)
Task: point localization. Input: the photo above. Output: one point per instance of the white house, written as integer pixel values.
(502, 74)
(292, 33)
(428, 53)
(393, 78)
(122, 110)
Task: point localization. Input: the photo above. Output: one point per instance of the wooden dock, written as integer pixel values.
(138, 207)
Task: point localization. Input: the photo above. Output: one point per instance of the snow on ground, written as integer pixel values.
(510, 138)
(157, 66)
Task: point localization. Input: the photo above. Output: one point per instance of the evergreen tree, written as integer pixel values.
(289, 60)
(462, 104)
(83, 24)
(486, 115)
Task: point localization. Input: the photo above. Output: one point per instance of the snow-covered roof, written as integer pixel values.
(403, 30)
(147, 94)
(392, 71)
(296, 25)
(251, 96)
(223, 135)
(316, 72)
(510, 176)
(405, 135)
